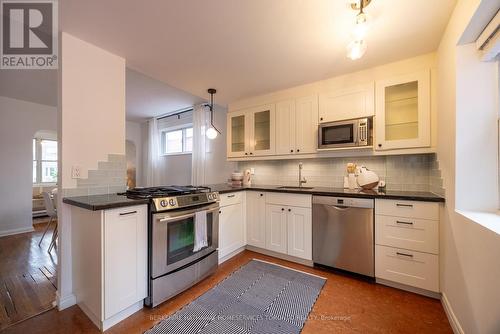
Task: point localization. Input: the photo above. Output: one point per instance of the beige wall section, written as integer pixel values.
(469, 252)
(427, 61)
(93, 106)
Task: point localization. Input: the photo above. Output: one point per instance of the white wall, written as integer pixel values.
(91, 126)
(93, 106)
(19, 120)
(177, 169)
(469, 264)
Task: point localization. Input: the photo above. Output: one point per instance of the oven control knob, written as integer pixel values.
(163, 203)
(171, 202)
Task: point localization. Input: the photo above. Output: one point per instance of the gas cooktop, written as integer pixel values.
(174, 197)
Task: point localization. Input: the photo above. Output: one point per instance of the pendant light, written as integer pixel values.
(212, 131)
(357, 48)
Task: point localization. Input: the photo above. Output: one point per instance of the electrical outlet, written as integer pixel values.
(252, 171)
(76, 172)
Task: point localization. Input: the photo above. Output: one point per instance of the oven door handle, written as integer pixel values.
(189, 215)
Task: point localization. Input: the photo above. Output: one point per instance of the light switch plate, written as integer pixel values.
(76, 172)
(252, 171)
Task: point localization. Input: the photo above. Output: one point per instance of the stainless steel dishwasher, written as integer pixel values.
(343, 233)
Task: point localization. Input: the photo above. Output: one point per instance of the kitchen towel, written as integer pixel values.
(200, 230)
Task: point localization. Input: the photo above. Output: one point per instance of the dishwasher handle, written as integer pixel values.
(340, 207)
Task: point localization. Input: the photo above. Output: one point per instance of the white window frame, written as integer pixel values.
(38, 159)
(163, 133)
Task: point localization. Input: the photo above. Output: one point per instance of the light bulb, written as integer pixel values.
(361, 27)
(356, 49)
(211, 133)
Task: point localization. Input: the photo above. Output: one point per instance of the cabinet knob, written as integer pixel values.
(251, 153)
(246, 153)
(220, 211)
(282, 209)
(289, 210)
(321, 119)
(261, 195)
(379, 145)
(291, 151)
(298, 150)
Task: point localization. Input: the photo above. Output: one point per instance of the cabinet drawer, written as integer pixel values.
(304, 201)
(230, 198)
(403, 266)
(409, 233)
(411, 209)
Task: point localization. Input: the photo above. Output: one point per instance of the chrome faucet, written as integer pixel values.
(301, 179)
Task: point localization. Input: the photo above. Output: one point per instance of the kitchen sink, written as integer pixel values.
(294, 188)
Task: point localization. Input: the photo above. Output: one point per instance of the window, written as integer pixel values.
(44, 161)
(177, 141)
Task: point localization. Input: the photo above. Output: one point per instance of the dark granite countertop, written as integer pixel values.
(325, 191)
(103, 202)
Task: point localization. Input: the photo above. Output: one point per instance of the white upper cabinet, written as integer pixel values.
(237, 134)
(306, 129)
(347, 103)
(285, 127)
(403, 112)
(297, 126)
(251, 132)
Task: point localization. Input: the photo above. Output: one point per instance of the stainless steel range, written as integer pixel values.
(175, 264)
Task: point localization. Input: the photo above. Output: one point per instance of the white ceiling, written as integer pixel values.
(147, 97)
(250, 47)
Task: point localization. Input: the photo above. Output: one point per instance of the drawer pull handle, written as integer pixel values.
(404, 205)
(127, 213)
(230, 196)
(402, 222)
(404, 254)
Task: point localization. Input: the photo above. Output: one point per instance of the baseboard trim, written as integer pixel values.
(65, 302)
(230, 255)
(452, 318)
(400, 286)
(16, 231)
(286, 257)
(121, 315)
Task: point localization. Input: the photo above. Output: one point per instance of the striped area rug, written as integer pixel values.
(259, 298)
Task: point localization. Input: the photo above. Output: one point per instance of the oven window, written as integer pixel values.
(181, 238)
(338, 134)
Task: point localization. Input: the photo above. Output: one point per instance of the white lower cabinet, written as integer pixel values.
(276, 228)
(299, 224)
(289, 228)
(416, 269)
(231, 224)
(256, 218)
(407, 243)
(125, 258)
(109, 262)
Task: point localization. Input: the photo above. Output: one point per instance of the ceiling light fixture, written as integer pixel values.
(212, 131)
(357, 48)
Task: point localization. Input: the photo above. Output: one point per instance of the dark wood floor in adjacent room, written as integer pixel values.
(345, 305)
(27, 276)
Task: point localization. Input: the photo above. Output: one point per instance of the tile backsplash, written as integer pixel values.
(109, 177)
(419, 172)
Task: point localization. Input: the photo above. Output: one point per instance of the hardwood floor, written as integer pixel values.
(27, 276)
(345, 305)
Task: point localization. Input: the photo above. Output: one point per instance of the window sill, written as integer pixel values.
(174, 154)
(37, 185)
(489, 220)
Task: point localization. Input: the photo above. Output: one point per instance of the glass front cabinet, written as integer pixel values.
(402, 112)
(251, 132)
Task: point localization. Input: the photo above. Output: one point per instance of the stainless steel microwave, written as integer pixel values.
(349, 133)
